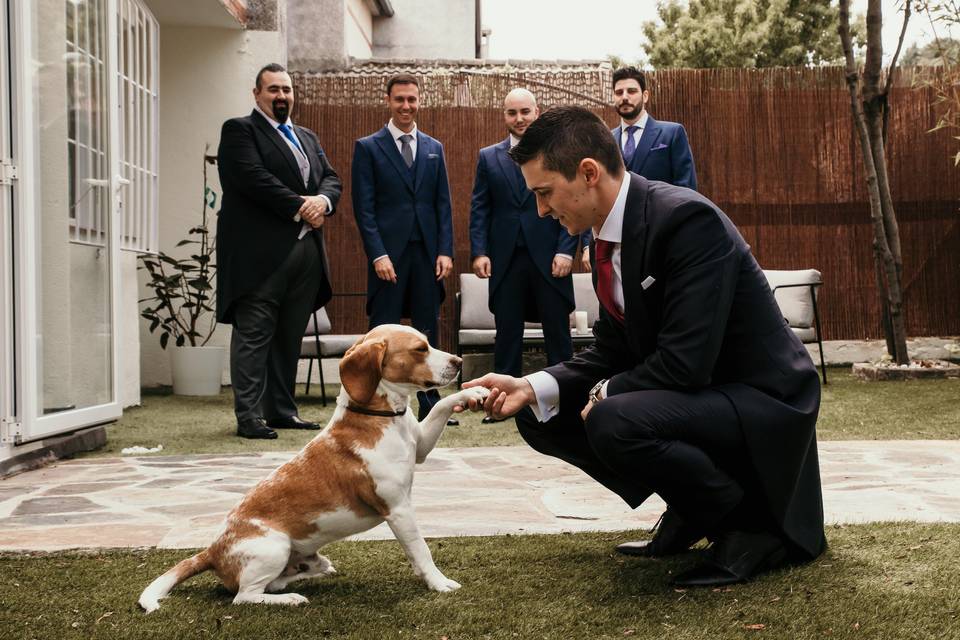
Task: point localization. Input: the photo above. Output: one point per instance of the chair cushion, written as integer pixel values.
(795, 303)
(331, 346)
(474, 307)
(585, 299)
(806, 334)
(319, 323)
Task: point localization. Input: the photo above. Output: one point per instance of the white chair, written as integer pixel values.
(796, 293)
(318, 343)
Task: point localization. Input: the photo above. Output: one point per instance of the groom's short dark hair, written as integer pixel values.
(564, 136)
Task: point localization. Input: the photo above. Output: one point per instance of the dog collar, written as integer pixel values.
(374, 412)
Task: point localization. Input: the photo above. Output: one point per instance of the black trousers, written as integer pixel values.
(523, 284)
(685, 446)
(415, 290)
(268, 327)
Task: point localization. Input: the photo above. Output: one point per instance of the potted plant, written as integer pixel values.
(182, 305)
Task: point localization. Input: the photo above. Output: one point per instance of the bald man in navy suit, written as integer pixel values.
(528, 259)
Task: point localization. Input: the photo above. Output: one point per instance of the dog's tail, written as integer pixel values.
(159, 588)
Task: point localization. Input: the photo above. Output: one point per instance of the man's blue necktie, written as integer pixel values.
(630, 146)
(288, 134)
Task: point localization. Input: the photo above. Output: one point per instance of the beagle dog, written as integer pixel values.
(352, 476)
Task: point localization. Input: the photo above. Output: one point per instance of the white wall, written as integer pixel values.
(206, 76)
(413, 30)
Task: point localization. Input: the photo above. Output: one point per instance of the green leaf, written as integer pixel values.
(164, 339)
(183, 242)
(180, 341)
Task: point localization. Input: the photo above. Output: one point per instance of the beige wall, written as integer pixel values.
(358, 29)
(206, 76)
(413, 30)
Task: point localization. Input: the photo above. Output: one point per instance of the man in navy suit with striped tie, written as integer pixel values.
(401, 201)
(654, 149)
(528, 259)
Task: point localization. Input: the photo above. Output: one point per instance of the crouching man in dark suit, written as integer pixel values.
(278, 188)
(696, 388)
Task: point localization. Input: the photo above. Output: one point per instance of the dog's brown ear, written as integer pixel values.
(360, 369)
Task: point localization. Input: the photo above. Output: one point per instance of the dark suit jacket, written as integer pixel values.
(710, 321)
(389, 198)
(500, 207)
(262, 189)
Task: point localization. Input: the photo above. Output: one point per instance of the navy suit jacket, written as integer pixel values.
(709, 321)
(500, 210)
(389, 199)
(262, 193)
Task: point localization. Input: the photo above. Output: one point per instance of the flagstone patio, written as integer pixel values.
(178, 501)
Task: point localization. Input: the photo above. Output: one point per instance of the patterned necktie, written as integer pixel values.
(406, 150)
(604, 261)
(630, 145)
(288, 134)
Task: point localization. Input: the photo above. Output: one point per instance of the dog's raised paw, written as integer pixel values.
(479, 394)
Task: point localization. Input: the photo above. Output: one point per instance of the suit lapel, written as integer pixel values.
(274, 136)
(420, 162)
(389, 147)
(509, 168)
(633, 243)
(650, 134)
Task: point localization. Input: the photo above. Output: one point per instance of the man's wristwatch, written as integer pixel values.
(595, 394)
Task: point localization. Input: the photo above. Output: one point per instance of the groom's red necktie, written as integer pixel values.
(604, 261)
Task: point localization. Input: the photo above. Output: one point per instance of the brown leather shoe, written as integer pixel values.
(673, 536)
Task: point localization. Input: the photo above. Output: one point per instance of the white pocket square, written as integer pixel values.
(648, 282)
(658, 147)
(430, 156)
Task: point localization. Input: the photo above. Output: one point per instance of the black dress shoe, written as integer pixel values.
(736, 556)
(490, 420)
(673, 536)
(291, 422)
(255, 428)
(453, 422)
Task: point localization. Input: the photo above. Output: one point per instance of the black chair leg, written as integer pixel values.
(309, 372)
(323, 385)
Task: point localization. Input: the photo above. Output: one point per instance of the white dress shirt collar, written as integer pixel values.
(396, 132)
(641, 123)
(514, 141)
(612, 229)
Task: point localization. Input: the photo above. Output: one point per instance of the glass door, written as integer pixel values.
(66, 213)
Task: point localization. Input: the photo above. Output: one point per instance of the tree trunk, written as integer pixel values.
(868, 105)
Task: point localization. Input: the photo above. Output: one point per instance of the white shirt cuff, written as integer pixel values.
(565, 255)
(329, 205)
(375, 260)
(547, 391)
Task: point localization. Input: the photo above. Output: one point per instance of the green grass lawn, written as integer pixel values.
(888, 581)
(851, 410)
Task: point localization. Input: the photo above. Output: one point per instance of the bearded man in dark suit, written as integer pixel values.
(695, 389)
(272, 271)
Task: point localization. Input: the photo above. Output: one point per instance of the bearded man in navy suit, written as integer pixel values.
(695, 387)
(401, 202)
(528, 259)
(654, 149)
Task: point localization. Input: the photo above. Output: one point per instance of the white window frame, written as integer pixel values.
(138, 80)
(8, 408)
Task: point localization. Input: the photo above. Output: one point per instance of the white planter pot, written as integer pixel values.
(196, 370)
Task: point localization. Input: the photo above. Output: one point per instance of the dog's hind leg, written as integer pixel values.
(301, 568)
(404, 527)
(264, 559)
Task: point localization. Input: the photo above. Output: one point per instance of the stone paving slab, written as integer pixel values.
(178, 502)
